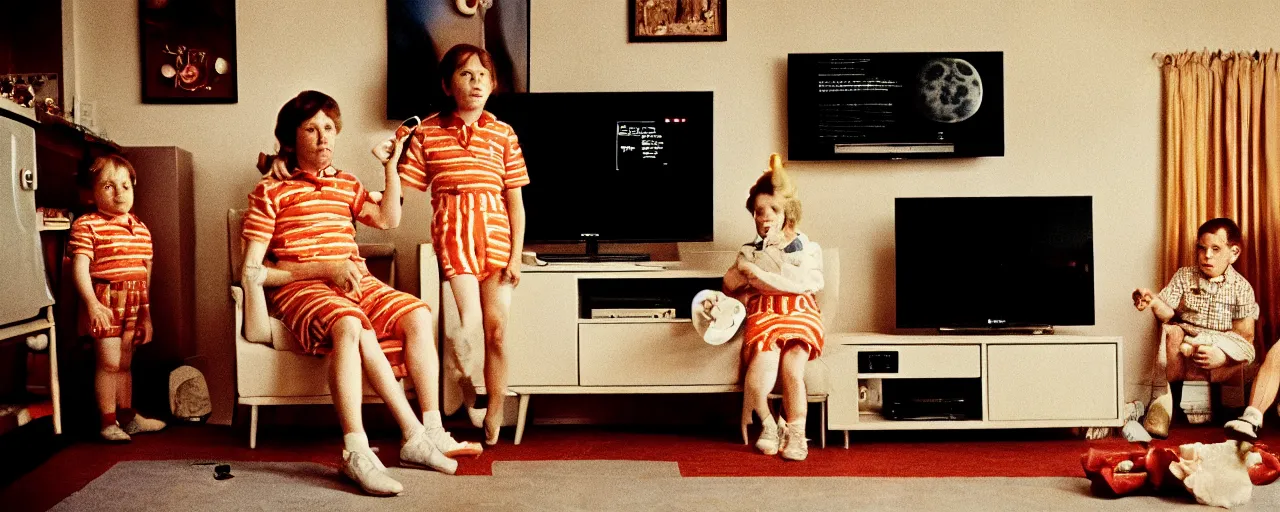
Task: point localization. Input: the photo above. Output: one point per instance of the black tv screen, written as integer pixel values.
(994, 262)
(614, 166)
(895, 105)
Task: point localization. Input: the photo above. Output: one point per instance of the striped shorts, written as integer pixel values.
(471, 233)
(774, 319)
(309, 308)
(124, 298)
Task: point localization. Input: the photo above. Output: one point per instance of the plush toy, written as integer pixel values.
(1215, 474)
(716, 316)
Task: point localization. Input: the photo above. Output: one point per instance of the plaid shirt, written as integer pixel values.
(1208, 304)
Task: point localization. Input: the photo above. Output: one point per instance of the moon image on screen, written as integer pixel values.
(949, 90)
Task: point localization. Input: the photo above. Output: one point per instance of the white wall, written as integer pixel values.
(1081, 96)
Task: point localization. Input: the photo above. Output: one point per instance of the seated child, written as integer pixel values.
(777, 276)
(1208, 313)
(111, 256)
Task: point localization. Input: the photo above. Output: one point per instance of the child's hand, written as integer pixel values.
(279, 170)
(384, 150)
(100, 317)
(345, 275)
(1142, 299)
(511, 274)
(1209, 357)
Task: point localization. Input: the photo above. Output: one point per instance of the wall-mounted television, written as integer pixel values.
(614, 166)
(994, 262)
(895, 105)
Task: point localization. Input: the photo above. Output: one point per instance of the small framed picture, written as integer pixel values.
(188, 51)
(653, 21)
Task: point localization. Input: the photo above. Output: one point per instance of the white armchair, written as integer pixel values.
(273, 373)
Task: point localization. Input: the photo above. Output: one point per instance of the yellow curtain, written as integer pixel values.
(1222, 159)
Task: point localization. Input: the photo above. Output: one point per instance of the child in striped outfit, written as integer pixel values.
(111, 256)
(778, 276)
(320, 287)
(475, 170)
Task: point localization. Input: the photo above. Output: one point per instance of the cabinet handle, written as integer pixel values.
(28, 179)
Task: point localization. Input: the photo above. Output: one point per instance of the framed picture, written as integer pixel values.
(188, 51)
(419, 32)
(654, 21)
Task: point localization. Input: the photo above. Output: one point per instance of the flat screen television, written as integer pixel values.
(895, 105)
(614, 166)
(994, 262)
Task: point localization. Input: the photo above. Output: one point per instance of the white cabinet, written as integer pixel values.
(554, 346)
(1013, 381)
(1076, 382)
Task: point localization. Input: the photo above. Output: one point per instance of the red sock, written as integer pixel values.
(126, 415)
(108, 419)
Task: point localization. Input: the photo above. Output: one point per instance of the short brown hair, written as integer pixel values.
(302, 107)
(457, 56)
(1234, 237)
(106, 162)
(776, 182)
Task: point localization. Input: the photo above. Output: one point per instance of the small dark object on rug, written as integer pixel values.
(222, 472)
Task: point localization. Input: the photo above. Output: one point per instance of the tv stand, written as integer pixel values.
(592, 255)
(1012, 382)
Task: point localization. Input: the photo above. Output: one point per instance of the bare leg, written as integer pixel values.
(762, 375)
(383, 380)
(106, 375)
(420, 356)
(794, 398)
(1268, 379)
(345, 372)
(1176, 366)
(466, 293)
(495, 298)
(124, 377)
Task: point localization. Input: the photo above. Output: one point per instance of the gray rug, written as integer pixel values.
(585, 485)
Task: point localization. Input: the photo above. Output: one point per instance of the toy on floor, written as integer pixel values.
(1221, 474)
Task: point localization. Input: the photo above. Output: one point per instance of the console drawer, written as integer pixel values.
(653, 354)
(926, 361)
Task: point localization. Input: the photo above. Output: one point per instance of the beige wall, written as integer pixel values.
(1081, 96)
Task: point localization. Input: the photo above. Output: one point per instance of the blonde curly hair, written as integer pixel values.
(776, 182)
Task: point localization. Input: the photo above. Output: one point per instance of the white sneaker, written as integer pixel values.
(767, 443)
(1246, 427)
(139, 425)
(794, 444)
(451, 447)
(419, 451)
(114, 434)
(368, 472)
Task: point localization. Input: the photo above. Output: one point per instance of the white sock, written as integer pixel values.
(1252, 415)
(356, 442)
(431, 419)
(798, 423)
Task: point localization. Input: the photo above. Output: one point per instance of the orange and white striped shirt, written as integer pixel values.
(307, 217)
(450, 156)
(118, 248)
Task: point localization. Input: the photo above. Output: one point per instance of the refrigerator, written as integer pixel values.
(23, 286)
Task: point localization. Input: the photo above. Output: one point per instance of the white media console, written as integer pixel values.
(554, 346)
(1019, 381)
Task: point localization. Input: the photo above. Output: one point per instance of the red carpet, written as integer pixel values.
(709, 451)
